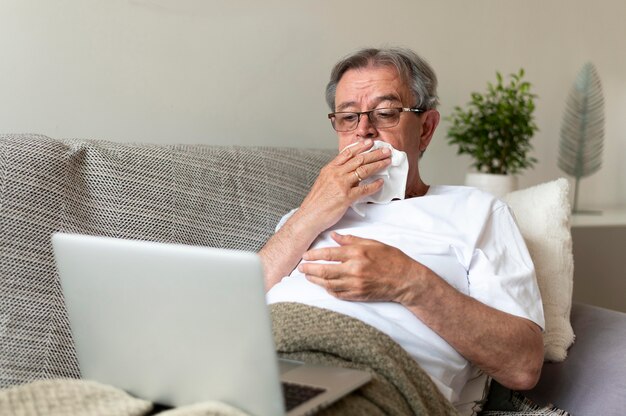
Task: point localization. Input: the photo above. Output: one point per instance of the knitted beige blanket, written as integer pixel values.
(398, 387)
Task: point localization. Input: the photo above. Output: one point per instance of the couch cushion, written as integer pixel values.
(229, 197)
(543, 215)
(34, 333)
(65, 397)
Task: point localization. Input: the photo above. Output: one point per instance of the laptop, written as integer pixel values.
(178, 325)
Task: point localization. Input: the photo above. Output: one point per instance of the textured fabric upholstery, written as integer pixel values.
(229, 197)
(592, 380)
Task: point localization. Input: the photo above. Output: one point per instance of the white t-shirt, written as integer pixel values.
(465, 236)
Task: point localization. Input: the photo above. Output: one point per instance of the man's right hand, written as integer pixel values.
(337, 185)
(335, 189)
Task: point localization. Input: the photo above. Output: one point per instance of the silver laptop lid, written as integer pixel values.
(138, 327)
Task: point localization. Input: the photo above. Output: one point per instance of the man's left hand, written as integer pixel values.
(361, 270)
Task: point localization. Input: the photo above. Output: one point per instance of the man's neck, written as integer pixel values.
(416, 191)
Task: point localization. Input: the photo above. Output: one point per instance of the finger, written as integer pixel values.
(347, 239)
(350, 152)
(316, 280)
(320, 271)
(365, 189)
(332, 286)
(325, 253)
(356, 175)
(366, 158)
(367, 170)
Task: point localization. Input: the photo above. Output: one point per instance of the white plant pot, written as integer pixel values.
(498, 185)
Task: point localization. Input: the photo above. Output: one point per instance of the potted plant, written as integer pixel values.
(495, 130)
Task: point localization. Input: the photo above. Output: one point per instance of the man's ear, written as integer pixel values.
(430, 123)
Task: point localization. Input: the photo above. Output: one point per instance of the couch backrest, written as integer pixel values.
(216, 196)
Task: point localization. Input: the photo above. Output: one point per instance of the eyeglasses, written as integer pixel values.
(381, 118)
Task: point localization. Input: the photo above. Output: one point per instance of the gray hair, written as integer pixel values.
(414, 70)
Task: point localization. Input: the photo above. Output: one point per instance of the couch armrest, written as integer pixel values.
(592, 380)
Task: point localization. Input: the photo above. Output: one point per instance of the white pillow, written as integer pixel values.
(543, 216)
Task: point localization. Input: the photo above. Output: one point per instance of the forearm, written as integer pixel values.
(507, 347)
(283, 251)
(332, 193)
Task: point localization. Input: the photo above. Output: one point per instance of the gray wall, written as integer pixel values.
(252, 72)
(600, 266)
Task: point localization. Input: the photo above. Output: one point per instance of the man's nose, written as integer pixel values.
(365, 128)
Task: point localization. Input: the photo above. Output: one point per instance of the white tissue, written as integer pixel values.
(394, 177)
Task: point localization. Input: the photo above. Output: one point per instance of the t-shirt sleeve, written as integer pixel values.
(501, 273)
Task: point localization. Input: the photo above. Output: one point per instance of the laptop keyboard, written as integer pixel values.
(296, 394)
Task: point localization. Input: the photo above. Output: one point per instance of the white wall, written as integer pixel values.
(253, 72)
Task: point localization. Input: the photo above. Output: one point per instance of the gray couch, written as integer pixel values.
(228, 197)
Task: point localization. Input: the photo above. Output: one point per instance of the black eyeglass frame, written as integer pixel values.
(331, 116)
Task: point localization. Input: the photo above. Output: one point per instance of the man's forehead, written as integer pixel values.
(375, 83)
(391, 98)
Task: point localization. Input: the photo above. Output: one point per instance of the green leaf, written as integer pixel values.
(496, 126)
